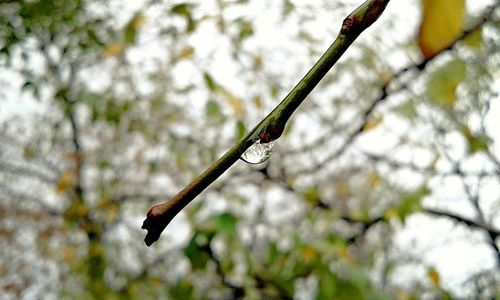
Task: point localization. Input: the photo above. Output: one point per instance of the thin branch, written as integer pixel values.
(492, 232)
(469, 222)
(6, 192)
(430, 170)
(237, 292)
(365, 226)
(26, 172)
(474, 199)
(135, 197)
(271, 127)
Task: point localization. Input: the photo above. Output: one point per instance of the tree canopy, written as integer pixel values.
(385, 183)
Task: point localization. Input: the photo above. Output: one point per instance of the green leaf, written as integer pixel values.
(474, 39)
(212, 111)
(272, 252)
(183, 9)
(62, 94)
(240, 130)
(288, 7)
(210, 82)
(443, 82)
(195, 250)
(434, 277)
(114, 111)
(246, 30)
(93, 38)
(27, 85)
(406, 109)
(347, 290)
(131, 28)
(359, 278)
(411, 203)
(224, 223)
(476, 143)
(327, 285)
(182, 290)
(311, 194)
(153, 166)
(104, 164)
(373, 123)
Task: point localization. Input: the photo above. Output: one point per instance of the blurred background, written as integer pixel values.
(385, 185)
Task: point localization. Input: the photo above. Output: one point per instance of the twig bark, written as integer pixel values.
(272, 126)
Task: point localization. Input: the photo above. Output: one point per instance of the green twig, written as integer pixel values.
(272, 126)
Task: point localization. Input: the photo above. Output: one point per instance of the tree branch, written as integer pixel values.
(365, 226)
(26, 172)
(272, 126)
(469, 222)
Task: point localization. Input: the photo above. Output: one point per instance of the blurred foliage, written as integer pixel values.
(135, 100)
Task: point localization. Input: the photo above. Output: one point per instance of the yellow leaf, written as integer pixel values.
(28, 152)
(308, 254)
(68, 253)
(257, 62)
(186, 53)
(137, 20)
(311, 195)
(385, 77)
(103, 202)
(130, 31)
(291, 180)
(373, 123)
(342, 251)
(234, 102)
(433, 276)
(112, 213)
(404, 295)
(75, 211)
(342, 189)
(373, 179)
(96, 249)
(257, 100)
(360, 215)
(466, 131)
(390, 214)
(112, 50)
(474, 39)
(441, 25)
(443, 83)
(475, 142)
(435, 161)
(66, 181)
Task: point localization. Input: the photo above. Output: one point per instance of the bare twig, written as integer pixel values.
(469, 222)
(271, 127)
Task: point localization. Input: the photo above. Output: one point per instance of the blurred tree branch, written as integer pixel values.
(469, 222)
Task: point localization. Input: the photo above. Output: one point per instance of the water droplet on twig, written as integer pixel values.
(258, 152)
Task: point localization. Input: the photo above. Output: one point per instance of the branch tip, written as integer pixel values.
(156, 221)
(363, 17)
